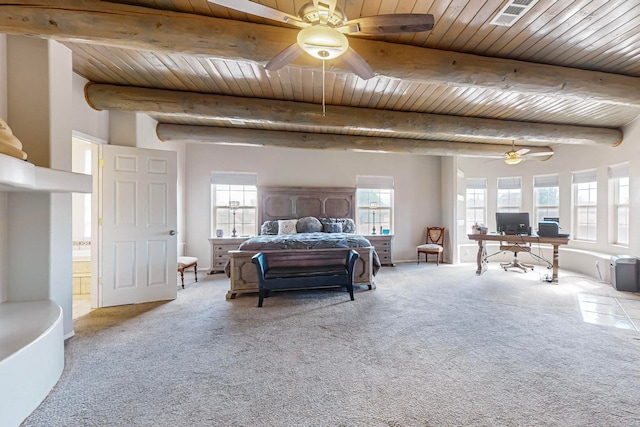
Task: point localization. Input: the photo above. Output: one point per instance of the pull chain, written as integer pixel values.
(324, 107)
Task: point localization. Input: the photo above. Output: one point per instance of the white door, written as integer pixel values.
(138, 238)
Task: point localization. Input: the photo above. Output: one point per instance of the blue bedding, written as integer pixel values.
(306, 241)
(310, 241)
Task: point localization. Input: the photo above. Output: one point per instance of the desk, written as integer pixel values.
(482, 252)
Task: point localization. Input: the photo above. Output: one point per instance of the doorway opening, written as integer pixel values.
(81, 234)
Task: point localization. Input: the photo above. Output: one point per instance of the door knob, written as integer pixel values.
(172, 232)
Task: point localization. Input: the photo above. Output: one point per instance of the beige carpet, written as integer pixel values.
(431, 346)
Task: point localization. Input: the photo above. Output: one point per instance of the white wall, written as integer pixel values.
(86, 120)
(568, 159)
(417, 185)
(449, 190)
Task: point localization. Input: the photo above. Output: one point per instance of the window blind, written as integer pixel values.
(477, 183)
(619, 171)
(234, 178)
(584, 176)
(374, 182)
(543, 181)
(511, 183)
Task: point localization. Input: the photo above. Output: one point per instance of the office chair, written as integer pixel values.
(515, 263)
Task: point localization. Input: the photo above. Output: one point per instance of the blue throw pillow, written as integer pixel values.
(348, 226)
(332, 227)
(269, 227)
(309, 224)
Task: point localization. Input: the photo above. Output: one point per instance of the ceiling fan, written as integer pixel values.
(324, 26)
(513, 156)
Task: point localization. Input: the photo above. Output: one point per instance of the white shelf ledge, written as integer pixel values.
(19, 175)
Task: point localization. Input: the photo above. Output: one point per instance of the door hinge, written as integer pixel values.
(101, 162)
(100, 222)
(100, 281)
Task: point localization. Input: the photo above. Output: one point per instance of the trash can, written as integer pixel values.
(624, 273)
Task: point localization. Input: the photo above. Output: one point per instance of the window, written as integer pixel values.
(476, 202)
(227, 187)
(374, 204)
(546, 193)
(619, 183)
(585, 204)
(509, 194)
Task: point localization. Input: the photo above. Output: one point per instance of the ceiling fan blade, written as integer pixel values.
(284, 57)
(392, 24)
(258, 9)
(349, 29)
(543, 152)
(522, 151)
(357, 64)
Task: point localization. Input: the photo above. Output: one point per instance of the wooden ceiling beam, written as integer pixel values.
(255, 112)
(317, 141)
(135, 27)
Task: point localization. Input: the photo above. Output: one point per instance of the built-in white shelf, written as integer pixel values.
(20, 175)
(31, 332)
(31, 356)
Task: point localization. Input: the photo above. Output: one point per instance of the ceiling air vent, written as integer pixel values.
(512, 11)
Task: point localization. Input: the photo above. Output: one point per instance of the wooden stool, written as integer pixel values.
(185, 262)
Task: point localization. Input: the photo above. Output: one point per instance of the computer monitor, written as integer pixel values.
(513, 222)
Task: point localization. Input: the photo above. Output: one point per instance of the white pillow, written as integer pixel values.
(287, 226)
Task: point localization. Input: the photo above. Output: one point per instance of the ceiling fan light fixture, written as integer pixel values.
(513, 160)
(323, 42)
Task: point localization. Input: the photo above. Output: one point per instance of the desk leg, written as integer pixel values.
(482, 258)
(554, 277)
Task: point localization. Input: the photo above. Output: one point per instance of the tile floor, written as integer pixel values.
(610, 311)
(81, 305)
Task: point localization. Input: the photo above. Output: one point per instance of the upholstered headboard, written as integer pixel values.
(299, 202)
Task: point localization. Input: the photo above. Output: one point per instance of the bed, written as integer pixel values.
(277, 206)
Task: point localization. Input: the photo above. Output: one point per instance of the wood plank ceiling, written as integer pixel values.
(602, 36)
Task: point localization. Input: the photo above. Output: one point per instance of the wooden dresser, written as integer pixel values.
(384, 247)
(220, 247)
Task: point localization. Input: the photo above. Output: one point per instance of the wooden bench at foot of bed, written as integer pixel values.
(328, 268)
(244, 277)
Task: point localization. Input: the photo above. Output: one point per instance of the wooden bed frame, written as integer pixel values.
(291, 203)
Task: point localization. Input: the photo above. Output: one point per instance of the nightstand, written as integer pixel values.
(384, 247)
(220, 247)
